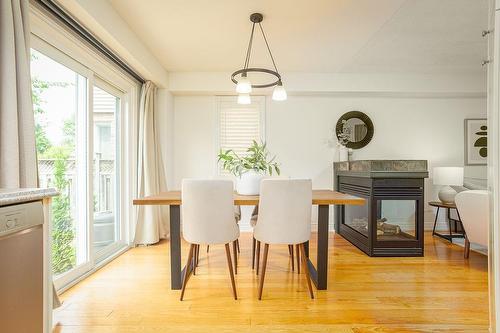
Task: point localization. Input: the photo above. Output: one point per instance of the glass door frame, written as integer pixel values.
(120, 224)
(82, 121)
(85, 120)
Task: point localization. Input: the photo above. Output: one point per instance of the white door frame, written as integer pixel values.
(493, 102)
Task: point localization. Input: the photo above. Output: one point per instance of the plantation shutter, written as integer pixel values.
(239, 125)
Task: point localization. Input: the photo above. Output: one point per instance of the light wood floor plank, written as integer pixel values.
(440, 292)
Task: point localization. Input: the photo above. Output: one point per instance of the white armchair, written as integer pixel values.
(473, 207)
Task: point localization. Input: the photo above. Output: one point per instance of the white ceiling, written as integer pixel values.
(357, 36)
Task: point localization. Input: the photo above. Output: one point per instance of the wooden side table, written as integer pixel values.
(455, 232)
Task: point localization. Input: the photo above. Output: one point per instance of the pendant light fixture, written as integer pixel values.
(240, 77)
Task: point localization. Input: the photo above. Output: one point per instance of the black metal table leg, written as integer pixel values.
(449, 224)
(175, 248)
(319, 274)
(449, 237)
(435, 222)
(461, 224)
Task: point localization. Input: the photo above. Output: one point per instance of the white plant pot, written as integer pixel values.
(336, 154)
(249, 183)
(343, 154)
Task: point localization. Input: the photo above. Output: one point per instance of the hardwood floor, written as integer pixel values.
(440, 292)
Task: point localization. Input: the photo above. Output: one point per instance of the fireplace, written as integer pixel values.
(391, 223)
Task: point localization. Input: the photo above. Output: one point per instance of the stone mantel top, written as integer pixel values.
(10, 196)
(382, 168)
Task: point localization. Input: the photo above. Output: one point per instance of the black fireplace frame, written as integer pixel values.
(374, 190)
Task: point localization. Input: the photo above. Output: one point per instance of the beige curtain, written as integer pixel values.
(17, 129)
(18, 167)
(152, 221)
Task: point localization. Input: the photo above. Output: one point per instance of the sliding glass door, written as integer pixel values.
(77, 123)
(106, 169)
(60, 106)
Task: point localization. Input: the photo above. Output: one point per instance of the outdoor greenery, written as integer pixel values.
(257, 160)
(63, 230)
(63, 233)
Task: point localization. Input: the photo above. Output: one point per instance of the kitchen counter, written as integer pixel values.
(21, 195)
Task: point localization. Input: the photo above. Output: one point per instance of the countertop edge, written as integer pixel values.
(22, 195)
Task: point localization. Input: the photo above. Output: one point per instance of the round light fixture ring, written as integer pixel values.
(258, 70)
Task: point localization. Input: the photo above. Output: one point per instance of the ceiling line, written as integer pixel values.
(372, 36)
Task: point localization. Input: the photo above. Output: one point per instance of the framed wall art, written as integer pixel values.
(476, 141)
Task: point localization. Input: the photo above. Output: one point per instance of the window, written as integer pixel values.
(239, 124)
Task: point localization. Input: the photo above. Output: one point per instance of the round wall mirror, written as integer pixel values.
(354, 129)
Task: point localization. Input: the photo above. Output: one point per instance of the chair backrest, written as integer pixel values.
(284, 211)
(208, 211)
(473, 207)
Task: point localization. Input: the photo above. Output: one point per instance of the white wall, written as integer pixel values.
(165, 124)
(104, 22)
(297, 131)
(408, 84)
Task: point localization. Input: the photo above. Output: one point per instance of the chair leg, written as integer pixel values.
(197, 254)
(238, 245)
(306, 270)
(297, 254)
(208, 247)
(194, 263)
(263, 274)
(466, 248)
(235, 254)
(253, 252)
(257, 258)
(290, 251)
(230, 266)
(188, 270)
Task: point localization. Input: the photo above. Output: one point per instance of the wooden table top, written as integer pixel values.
(320, 197)
(442, 204)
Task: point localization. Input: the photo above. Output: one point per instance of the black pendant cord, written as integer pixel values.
(249, 49)
(257, 18)
(268, 48)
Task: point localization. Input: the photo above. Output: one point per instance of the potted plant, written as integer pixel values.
(344, 138)
(250, 169)
(338, 142)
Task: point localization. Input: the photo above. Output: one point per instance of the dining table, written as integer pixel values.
(322, 198)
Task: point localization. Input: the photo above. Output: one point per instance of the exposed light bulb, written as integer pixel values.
(244, 86)
(244, 99)
(279, 92)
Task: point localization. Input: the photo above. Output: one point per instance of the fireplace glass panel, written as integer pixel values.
(356, 217)
(396, 220)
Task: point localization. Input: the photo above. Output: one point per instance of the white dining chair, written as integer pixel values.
(284, 218)
(236, 243)
(208, 218)
(473, 207)
(256, 247)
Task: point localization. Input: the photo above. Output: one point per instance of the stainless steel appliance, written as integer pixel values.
(21, 268)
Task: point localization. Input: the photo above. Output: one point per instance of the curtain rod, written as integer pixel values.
(56, 10)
